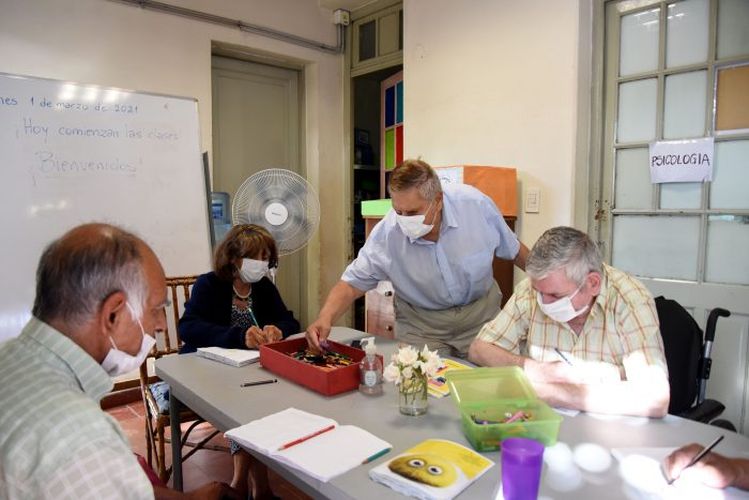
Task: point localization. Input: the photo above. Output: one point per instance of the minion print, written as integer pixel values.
(425, 468)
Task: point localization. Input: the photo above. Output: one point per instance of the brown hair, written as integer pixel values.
(243, 241)
(415, 174)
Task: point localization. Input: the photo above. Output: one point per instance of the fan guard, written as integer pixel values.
(281, 201)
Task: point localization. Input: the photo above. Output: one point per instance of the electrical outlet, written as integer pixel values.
(341, 16)
(532, 200)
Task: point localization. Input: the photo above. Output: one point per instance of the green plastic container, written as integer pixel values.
(489, 394)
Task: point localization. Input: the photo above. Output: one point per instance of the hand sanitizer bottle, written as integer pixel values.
(370, 369)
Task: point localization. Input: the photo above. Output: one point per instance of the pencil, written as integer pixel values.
(376, 455)
(259, 382)
(699, 456)
(563, 356)
(252, 315)
(305, 438)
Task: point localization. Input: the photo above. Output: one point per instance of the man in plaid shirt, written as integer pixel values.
(586, 334)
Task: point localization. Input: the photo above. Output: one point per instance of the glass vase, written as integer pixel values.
(412, 396)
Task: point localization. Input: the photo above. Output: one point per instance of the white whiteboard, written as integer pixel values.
(73, 153)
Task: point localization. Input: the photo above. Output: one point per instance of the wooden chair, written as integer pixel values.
(157, 409)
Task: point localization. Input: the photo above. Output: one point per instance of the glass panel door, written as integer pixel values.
(667, 65)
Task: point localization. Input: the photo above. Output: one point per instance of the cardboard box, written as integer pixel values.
(275, 357)
(498, 183)
(490, 394)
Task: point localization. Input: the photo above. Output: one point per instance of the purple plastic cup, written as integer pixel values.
(522, 460)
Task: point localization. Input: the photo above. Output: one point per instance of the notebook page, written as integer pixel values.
(333, 453)
(269, 433)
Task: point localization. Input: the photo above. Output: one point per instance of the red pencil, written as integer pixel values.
(305, 438)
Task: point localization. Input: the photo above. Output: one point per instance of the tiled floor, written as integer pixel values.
(205, 465)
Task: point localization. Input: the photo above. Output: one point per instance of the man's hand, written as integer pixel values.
(317, 332)
(209, 491)
(254, 337)
(214, 491)
(272, 334)
(713, 470)
(551, 372)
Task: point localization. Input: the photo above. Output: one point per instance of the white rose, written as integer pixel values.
(432, 366)
(391, 373)
(407, 356)
(408, 372)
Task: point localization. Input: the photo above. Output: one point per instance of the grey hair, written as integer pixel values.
(74, 277)
(415, 174)
(564, 247)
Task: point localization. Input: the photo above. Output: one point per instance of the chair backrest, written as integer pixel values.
(682, 342)
(168, 341)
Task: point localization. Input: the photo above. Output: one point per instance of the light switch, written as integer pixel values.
(532, 200)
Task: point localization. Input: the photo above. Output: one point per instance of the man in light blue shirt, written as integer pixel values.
(436, 246)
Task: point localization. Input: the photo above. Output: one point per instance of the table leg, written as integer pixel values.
(176, 436)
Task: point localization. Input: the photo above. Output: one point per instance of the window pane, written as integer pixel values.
(730, 186)
(733, 34)
(684, 113)
(657, 246)
(681, 195)
(367, 40)
(639, 43)
(633, 187)
(732, 99)
(637, 111)
(686, 41)
(727, 241)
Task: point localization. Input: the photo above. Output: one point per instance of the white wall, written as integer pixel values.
(494, 82)
(113, 44)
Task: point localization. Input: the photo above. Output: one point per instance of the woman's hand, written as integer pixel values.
(272, 333)
(254, 337)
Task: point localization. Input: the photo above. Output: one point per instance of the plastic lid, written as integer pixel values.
(485, 385)
(368, 344)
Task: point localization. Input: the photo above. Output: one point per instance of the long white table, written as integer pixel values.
(213, 391)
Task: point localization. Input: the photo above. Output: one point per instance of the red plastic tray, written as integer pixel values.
(275, 357)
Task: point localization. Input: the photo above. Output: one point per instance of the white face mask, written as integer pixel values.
(253, 270)
(413, 225)
(119, 362)
(561, 310)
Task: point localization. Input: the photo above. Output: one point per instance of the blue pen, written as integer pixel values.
(376, 455)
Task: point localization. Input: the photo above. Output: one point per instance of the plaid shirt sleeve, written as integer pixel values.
(640, 334)
(97, 470)
(509, 329)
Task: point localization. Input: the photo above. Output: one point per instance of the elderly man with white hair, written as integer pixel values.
(586, 334)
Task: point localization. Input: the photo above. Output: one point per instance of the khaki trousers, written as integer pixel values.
(448, 331)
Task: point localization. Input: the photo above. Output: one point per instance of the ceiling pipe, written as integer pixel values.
(242, 26)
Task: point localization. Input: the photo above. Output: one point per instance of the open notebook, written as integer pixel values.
(311, 443)
(233, 357)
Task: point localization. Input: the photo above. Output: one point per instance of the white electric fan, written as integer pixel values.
(281, 201)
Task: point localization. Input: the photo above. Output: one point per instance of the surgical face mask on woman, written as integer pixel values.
(119, 362)
(561, 310)
(253, 270)
(413, 225)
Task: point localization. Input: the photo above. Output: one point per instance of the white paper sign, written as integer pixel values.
(450, 175)
(688, 160)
